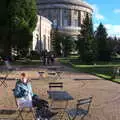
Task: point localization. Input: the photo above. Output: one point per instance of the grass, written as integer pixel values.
(101, 69)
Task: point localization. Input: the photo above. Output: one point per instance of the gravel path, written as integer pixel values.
(106, 98)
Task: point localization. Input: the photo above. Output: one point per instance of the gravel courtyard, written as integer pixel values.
(106, 98)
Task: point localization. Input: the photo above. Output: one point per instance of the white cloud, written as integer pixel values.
(99, 17)
(116, 11)
(112, 30)
(96, 13)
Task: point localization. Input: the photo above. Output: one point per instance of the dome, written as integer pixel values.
(72, 2)
(66, 15)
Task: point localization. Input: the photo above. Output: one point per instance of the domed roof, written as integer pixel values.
(74, 2)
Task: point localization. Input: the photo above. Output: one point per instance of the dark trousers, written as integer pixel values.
(39, 103)
(42, 107)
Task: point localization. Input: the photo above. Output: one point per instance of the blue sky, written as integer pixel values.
(107, 12)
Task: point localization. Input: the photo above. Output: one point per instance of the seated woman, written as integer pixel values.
(26, 98)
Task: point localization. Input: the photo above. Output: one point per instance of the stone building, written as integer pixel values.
(42, 35)
(66, 15)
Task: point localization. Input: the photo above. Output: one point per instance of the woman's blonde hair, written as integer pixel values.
(23, 74)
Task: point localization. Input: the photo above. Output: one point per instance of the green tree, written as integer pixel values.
(3, 24)
(116, 45)
(86, 44)
(112, 45)
(103, 53)
(21, 21)
(62, 43)
(68, 44)
(56, 42)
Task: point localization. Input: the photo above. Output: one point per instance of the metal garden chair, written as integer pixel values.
(55, 73)
(56, 86)
(56, 94)
(3, 80)
(81, 110)
(42, 74)
(24, 107)
(6, 72)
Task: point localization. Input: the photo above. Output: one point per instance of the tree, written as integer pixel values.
(21, 20)
(103, 53)
(62, 43)
(116, 45)
(21, 41)
(86, 43)
(113, 44)
(68, 44)
(56, 42)
(3, 24)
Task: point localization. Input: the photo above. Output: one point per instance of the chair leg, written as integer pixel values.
(20, 114)
(51, 104)
(33, 113)
(82, 118)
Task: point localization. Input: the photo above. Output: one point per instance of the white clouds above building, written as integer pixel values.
(112, 30)
(96, 13)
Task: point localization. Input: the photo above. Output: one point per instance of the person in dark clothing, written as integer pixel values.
(52, 56)
(44, 56)
(48, 58)
(23, 91)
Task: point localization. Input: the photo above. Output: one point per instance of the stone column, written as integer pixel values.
(72, 17)
(79, 18)
(60, 17)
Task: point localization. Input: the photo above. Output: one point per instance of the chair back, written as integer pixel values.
(55, 85)
(86, 102)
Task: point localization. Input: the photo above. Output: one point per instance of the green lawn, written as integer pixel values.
(101, 69)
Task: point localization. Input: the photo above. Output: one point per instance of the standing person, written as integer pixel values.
(44, 57)
(48, 58)
(52, 58)
(23, 91)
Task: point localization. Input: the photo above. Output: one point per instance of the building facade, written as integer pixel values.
(42, 34)
(66, 15)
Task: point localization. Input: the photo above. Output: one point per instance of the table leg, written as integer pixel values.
(51, 104)
(66, 105)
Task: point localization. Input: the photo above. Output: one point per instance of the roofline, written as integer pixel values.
(86, 6)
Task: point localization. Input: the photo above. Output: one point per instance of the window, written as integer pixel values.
(65, 11)
(76, 23)
(66, 17)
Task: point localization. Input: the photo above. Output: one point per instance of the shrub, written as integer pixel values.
(34, 55)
